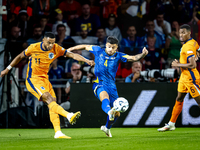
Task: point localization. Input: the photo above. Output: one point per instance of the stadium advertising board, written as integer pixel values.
(150, 105)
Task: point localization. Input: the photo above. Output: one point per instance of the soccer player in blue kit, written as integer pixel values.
(106, 65)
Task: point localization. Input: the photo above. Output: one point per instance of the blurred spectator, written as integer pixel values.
(22, 23)
(14, 47)
(69, 63)
(14, 44)
(59, 20)
(112, 29)
(196, 16)
(43, 7)
(87, 21)
(101, 35)
(62, 39)
(165, 6)
(77, 76)
(24, 6)
(94, 8)
(37, 35)
(162, 26)
(132, 44)
(12, 8)
(173, 44)
(85, 39)
(130, 7)
(150, 32)
(43, 23)
(56, 72)
(169, 9)
(131, 13)
(185, 10)
(124, 69)
(110, 7)
(135, 75)
(71, 9)
(154, 58)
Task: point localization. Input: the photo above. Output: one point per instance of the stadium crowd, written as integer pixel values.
(136, 24)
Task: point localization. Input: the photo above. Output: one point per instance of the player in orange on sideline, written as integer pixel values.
(41, 55)
(189, 79)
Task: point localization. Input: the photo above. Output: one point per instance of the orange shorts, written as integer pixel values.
(37, 86)
(189, 87)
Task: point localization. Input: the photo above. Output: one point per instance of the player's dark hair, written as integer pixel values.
(185, 26)
(112, 40)
(49, 35)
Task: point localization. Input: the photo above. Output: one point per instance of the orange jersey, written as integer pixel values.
(41, 59)
(188, 50)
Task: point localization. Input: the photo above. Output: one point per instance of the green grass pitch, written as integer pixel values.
(94, 139)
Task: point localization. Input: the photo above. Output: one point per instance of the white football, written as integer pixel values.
(121, 104)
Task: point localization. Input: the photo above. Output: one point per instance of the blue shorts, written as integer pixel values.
(111, 90)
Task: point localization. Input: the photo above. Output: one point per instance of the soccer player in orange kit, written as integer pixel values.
(41, 55)
(189, 81)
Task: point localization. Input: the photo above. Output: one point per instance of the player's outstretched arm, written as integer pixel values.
(80, 58)
(15, 61)
(80, 47)
(138, 56)
(191, 65)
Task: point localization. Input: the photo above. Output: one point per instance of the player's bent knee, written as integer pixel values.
(46, 97)
(117, 114)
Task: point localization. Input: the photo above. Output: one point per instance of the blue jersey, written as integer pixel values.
(105, 65)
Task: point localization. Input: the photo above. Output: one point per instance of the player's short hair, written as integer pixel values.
(49, 35)
(112, 40)
(185, 26)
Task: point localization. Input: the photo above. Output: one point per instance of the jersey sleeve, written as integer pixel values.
(60, 50)
(94, 49)
(123, 57)
(190, 51)
(28, 51)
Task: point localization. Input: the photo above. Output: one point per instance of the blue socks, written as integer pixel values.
(110, 123)
(106, 105)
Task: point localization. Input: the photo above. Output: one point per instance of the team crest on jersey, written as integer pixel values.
(51, 55)
(42, 88)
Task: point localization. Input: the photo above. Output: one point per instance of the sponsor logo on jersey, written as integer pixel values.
(51, 55)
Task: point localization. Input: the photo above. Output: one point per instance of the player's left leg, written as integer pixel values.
(109, 123)
(175, 113)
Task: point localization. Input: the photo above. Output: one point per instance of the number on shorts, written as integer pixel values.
(192, 90)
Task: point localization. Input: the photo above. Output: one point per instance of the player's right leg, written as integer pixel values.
(103, 96)
(170, 126)
(105, 105)
(41, 92)
(54, 107)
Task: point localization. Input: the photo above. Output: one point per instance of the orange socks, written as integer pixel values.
(54, 107)
(176, 111)
(55, 120)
